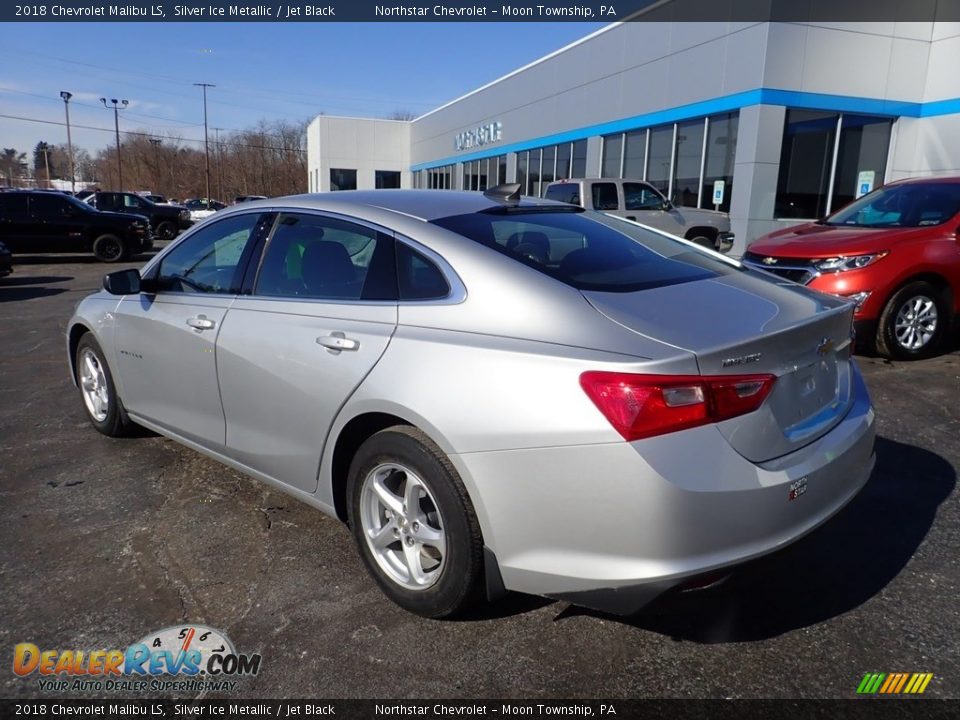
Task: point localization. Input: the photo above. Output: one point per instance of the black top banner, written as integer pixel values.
(480, 11)
(904, 709)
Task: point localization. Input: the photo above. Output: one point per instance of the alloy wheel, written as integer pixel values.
(93, 385)
(916, 322)
(402, 525)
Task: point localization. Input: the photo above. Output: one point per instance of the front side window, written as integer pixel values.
(604, 196)
(640, 196)
(132, 201)
(588, 251)
(313, 256)
(209, 260)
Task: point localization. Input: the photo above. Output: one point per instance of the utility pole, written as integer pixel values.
(206, 138)
(66, 107)
(118, 105)
(219, 165)
(46, 162)
(156, 159)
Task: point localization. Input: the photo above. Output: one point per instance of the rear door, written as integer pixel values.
(288, 356)
(15, 221)
(56, 226)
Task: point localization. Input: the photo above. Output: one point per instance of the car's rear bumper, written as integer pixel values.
(613, 526)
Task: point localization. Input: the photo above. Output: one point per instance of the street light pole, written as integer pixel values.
(66, 107)
(116, 127)
(156, 157)
(206, 138)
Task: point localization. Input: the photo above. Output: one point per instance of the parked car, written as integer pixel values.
(166, 221)
(640, 201)
(6, 261)
(625, 415)
(32, 221)
(895, 252)
(201, 208)
(248, 198)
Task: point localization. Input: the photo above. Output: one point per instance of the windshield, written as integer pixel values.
(588, 251)
(906, 205)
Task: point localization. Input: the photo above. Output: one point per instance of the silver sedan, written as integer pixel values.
(494, 393)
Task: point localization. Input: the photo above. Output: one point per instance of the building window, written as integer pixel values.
(523, 159)
(687, 163)
(611, 156)
(721, 148)
(634, 154)
(386, 179)
(818, 170)
(659, 157)
(341, 179)
(579, 161)
(534, 172)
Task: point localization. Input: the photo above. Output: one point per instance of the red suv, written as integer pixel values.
(895, 252)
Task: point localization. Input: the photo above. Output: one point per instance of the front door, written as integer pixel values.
(644, 204)
(322, 313)
(165, 341)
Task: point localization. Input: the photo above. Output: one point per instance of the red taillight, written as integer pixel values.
(641, 406)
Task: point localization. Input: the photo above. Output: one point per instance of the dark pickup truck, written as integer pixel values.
(42, 222)
(166, 221)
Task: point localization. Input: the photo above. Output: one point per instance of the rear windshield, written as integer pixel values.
(588, 251)
(564, 192)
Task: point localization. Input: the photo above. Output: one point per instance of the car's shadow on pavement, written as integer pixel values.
(833, 570)
(81, 259)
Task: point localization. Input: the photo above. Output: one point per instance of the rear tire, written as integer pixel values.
(414, 524)
(109, 249)
(913, 322)
(104, 408)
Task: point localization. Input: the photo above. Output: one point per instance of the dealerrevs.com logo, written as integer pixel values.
(183, 658)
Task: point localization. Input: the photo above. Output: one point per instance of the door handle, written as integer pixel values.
(337, 341)
(201, 322)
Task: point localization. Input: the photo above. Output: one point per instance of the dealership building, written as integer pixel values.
(772, 122)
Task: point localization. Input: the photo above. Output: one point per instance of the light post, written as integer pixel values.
(219, 164)
(116, 127)
(66, 108)
(156, 157)
(206, 137)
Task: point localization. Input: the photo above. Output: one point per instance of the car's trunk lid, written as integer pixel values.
(741, 323)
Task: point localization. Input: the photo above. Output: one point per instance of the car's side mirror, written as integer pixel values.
(122, 282)
(666, 205)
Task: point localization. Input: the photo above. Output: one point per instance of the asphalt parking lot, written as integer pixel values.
(103, 541)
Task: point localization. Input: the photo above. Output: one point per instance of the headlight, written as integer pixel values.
(841, 264)
(184, 214)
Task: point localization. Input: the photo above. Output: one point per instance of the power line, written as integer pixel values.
(152, 135)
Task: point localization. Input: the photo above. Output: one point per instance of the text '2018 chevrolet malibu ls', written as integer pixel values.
(494, 393)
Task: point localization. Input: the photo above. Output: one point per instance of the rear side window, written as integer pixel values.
(418, 277)
(47, 205)
(605, 196)
(586, 250)
(564, 192)
(13, 205)
(312, 256)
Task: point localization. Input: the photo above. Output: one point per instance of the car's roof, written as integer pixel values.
(927, 179)
(421, 204)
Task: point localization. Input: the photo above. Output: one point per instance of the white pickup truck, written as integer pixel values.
(640, 201)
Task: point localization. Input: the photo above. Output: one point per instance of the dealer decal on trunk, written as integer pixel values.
(797, 488)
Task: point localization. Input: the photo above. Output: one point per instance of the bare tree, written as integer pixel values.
(401, 114)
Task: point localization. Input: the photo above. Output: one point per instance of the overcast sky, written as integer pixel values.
(290, 71)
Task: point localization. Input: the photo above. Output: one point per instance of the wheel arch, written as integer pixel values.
(934, 278)
(77, 331)
(707, 231)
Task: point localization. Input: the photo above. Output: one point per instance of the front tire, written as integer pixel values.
(100, 400)
(166, 230)
(414, 524)
(913, 322)
(109, 249)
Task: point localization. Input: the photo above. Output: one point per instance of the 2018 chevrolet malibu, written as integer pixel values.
(494, 393)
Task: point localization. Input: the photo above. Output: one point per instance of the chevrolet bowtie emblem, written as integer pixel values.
(825, 346)
(769, 261)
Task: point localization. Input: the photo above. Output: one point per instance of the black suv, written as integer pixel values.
(37, 221)
(166, 221)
